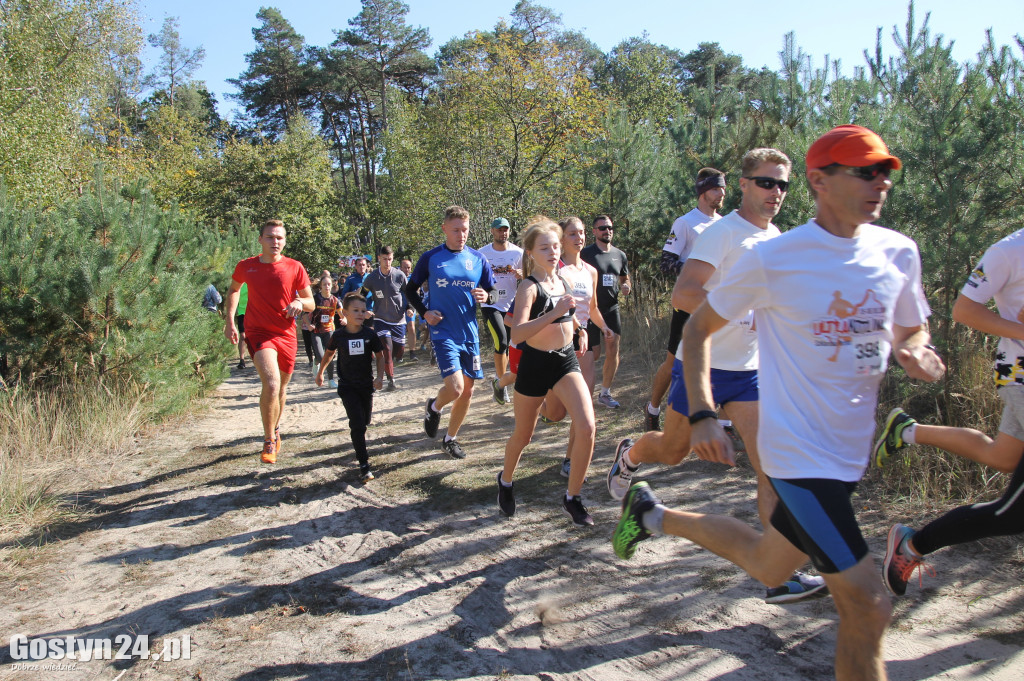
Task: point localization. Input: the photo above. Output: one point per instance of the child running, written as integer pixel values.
(543, 322)
(321, 319)
(354, 343)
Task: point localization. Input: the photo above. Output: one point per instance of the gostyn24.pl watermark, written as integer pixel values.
(123, 647)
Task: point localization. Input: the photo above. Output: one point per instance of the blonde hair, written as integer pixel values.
(270, 223)
(755, 157)
(455, 213)
(538, 224)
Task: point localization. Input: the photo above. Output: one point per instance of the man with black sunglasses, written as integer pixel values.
(612, 277)
(763, 183)
(710, 188)
(831, 299)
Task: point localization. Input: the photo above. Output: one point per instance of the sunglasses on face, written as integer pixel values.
(604, 228)
(869, 173)
(770, 183)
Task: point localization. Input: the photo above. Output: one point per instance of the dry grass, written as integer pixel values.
(47, 436)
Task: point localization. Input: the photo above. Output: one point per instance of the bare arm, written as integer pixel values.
(595, 312)
(707, 438)
(978, 316)
(230, 308)
(688, 292)
(325, 361)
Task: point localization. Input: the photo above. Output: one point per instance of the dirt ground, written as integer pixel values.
(298, 571)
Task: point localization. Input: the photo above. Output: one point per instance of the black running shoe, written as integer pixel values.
(651, 421)
(506, 498)
(431, 421)
(574, 508)
(453, 449)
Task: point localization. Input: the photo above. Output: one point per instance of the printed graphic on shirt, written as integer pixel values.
(859, 328)
(977, 277)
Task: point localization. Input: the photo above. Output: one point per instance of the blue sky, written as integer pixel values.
(752, 29)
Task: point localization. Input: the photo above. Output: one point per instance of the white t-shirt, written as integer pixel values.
(1000, 275)
(734, 346)
(685, 231)
(581, 280)
(502, 264)
(824, 307)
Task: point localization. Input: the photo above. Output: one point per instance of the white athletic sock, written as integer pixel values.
(433, 406)
(909, 434)
(503, 483)
(606, 391)
(653, 520)
(626, 461)
(568, 497)
(448, 438)
(653, 411)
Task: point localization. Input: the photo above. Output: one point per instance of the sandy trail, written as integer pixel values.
(297, 571)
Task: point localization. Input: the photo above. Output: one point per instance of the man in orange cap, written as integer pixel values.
(831, 300)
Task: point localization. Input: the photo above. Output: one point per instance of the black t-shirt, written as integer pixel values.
(610, 266)
(355, 356)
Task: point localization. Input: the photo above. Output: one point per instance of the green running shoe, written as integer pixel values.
(630, 530)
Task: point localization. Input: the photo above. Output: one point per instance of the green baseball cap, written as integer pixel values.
(498, 223)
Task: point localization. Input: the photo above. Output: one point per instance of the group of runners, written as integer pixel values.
(788, 335)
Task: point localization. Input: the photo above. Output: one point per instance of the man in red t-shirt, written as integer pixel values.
(279, 292)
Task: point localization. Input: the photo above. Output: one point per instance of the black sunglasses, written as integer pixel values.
(604, 228)
(869, 173)
(770, 183)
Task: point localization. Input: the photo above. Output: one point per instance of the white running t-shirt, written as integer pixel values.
(734, 346)
(581, 281)
(1000, 275)
(685, 231)
(502, 264)
(824, 307)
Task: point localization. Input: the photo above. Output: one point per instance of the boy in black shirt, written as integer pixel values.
(354, 344)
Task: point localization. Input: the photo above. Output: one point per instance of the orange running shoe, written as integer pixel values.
(269, 454)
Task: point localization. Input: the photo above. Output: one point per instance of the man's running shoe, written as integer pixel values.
(241, 364)
(506, 498)
(651, 421)
(545, 420)
(574, 508)
(365, 474)
(390, 387)
(411, 357)
(891, 439)
(620, 476)
(508, 394)
(332, 383)
(269, 454)
(606, 400)
(453, 449)
(799, 587)
(630, 531)
(431, 421)
(499, 392)
(901, 561)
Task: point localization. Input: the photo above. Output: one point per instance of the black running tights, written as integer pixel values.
(358, 405)
(1004, 516)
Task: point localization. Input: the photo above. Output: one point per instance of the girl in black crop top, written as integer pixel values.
(544, 322)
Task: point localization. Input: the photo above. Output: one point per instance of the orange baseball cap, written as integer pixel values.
(850, 145)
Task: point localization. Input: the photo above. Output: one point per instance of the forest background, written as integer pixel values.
(124, 193)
